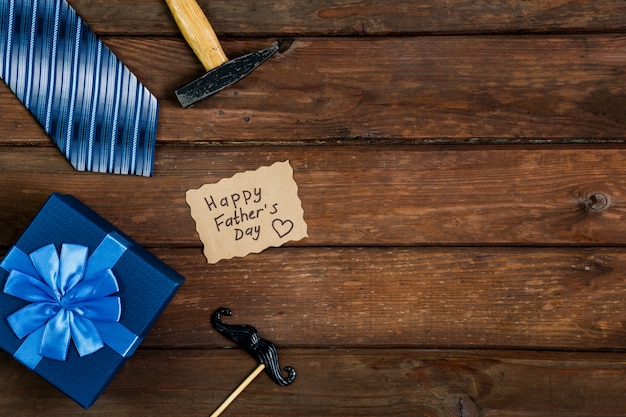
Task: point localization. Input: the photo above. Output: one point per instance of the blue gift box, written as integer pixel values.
(77, 297)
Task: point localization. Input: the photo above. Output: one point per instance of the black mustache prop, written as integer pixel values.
(248, 338)
(264, 351)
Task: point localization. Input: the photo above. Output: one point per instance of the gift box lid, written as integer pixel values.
(142, 287)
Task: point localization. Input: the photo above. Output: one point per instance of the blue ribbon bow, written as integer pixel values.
(71, 299)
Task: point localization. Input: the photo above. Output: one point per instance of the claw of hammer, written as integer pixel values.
(222, 73)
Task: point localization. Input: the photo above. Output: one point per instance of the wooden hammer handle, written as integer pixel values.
(198, 32)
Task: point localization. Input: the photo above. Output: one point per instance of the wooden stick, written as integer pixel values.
(198, 32)
(238, 390)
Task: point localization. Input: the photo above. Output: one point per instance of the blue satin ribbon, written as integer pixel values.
(71, 299)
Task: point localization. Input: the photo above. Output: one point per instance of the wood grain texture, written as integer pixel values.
(534, 298)
(355, 195)
(408, 89)
(340, 18)
(461, 168)
(338, 382)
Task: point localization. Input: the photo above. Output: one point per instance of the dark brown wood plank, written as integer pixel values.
(334, 382)
(533, 298)
(410, 89)
(421, 261)
(335, 17)
(355, 195)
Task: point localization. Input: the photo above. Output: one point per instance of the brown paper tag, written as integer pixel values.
(248, 213)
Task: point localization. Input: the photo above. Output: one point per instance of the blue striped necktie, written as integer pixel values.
(96, 111)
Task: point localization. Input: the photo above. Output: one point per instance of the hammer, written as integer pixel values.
(222, 72)
(263, 350)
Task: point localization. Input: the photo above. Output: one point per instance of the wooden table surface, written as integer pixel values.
(461, 166)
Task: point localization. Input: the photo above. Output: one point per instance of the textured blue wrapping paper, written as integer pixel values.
(146, 286)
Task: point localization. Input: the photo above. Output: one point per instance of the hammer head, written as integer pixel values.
(221, 77)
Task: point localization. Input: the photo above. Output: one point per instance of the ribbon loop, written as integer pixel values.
(46, 262)
(56, 337)
(85, 336)
(28, 319)
(28, 288)
(72, 266)
(102, 285)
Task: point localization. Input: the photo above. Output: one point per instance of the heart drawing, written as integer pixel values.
(282, 228)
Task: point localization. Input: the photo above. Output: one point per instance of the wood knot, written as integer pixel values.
(461, 406)
(597, 201)
(284, 44)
